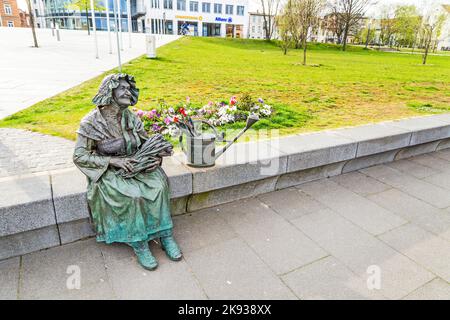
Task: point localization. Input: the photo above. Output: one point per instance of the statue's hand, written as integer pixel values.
(123, 163)
(155, 165)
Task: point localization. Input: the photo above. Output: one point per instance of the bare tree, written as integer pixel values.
(30, 11)
(269, 11)
(336, 23)
(284, 26)
(85, 5)
(431, 30)
(387, 25)
(289, 26)
(351, 12)
(308, 11)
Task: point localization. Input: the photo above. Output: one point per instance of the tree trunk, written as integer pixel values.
(344, 40)
(32, 24)
(304, 48)
(425, 54)
(87, 20)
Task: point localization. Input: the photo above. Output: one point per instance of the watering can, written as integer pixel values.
(200, 148)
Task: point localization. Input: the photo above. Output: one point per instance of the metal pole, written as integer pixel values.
(57, 33)
(129, 22)
(94, 28)
(120, 24)
(117, 34)
(164, 23)
(108, 25)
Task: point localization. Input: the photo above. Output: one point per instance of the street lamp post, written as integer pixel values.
(164, 23)
(120, 23)
(108, 25)
(129, 21)
(94, 28)
(117, 33)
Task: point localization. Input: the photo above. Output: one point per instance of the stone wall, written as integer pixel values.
(48, 209)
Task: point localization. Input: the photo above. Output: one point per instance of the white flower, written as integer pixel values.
(232, 108)
(266, 112)
(173, 130)
(226, 118)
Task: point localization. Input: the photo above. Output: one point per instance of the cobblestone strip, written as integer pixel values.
(23, 151)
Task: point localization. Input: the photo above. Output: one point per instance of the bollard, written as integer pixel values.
(53, 29)
(57, 33)
(151, 46)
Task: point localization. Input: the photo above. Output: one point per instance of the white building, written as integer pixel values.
(38, 8)
(444, 39)
(210, 18)
(256, 26)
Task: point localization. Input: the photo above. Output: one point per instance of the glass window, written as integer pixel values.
(10, 24)
(193, 6)
(169, 27)
(8, 10)
(206, 7)
(181, 5)
(217, 8)
(240, 10)
(168, 4)
(154, 4)
(229, 9)
(217, 29)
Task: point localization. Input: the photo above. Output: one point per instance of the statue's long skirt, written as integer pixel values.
(132, 209)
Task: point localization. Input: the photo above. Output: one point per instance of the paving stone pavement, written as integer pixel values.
(377, 233)
(61, 64)
(23, 152)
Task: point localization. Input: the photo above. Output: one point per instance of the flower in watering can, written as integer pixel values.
(167, 120)
(183, 112)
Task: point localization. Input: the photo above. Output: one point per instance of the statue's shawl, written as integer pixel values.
(95, 127)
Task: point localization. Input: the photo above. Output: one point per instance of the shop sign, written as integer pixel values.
(200, 18)
(220, 19)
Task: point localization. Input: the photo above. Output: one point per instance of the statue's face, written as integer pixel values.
(122, 94)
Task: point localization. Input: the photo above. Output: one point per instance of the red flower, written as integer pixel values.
(175, 119)
(183, 112)
(233, 100)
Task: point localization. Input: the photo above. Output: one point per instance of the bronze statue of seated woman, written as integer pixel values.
(128, 192)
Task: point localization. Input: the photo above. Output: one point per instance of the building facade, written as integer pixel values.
(60, 13)
(11, 16)
(215, 18)
(207, 18)
(256, 25)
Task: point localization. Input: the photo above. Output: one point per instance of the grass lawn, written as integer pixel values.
(336, 89)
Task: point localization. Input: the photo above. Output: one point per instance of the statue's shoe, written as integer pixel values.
(144, 255)
(171, 248)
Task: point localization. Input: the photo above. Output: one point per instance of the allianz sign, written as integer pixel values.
(219, 19)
